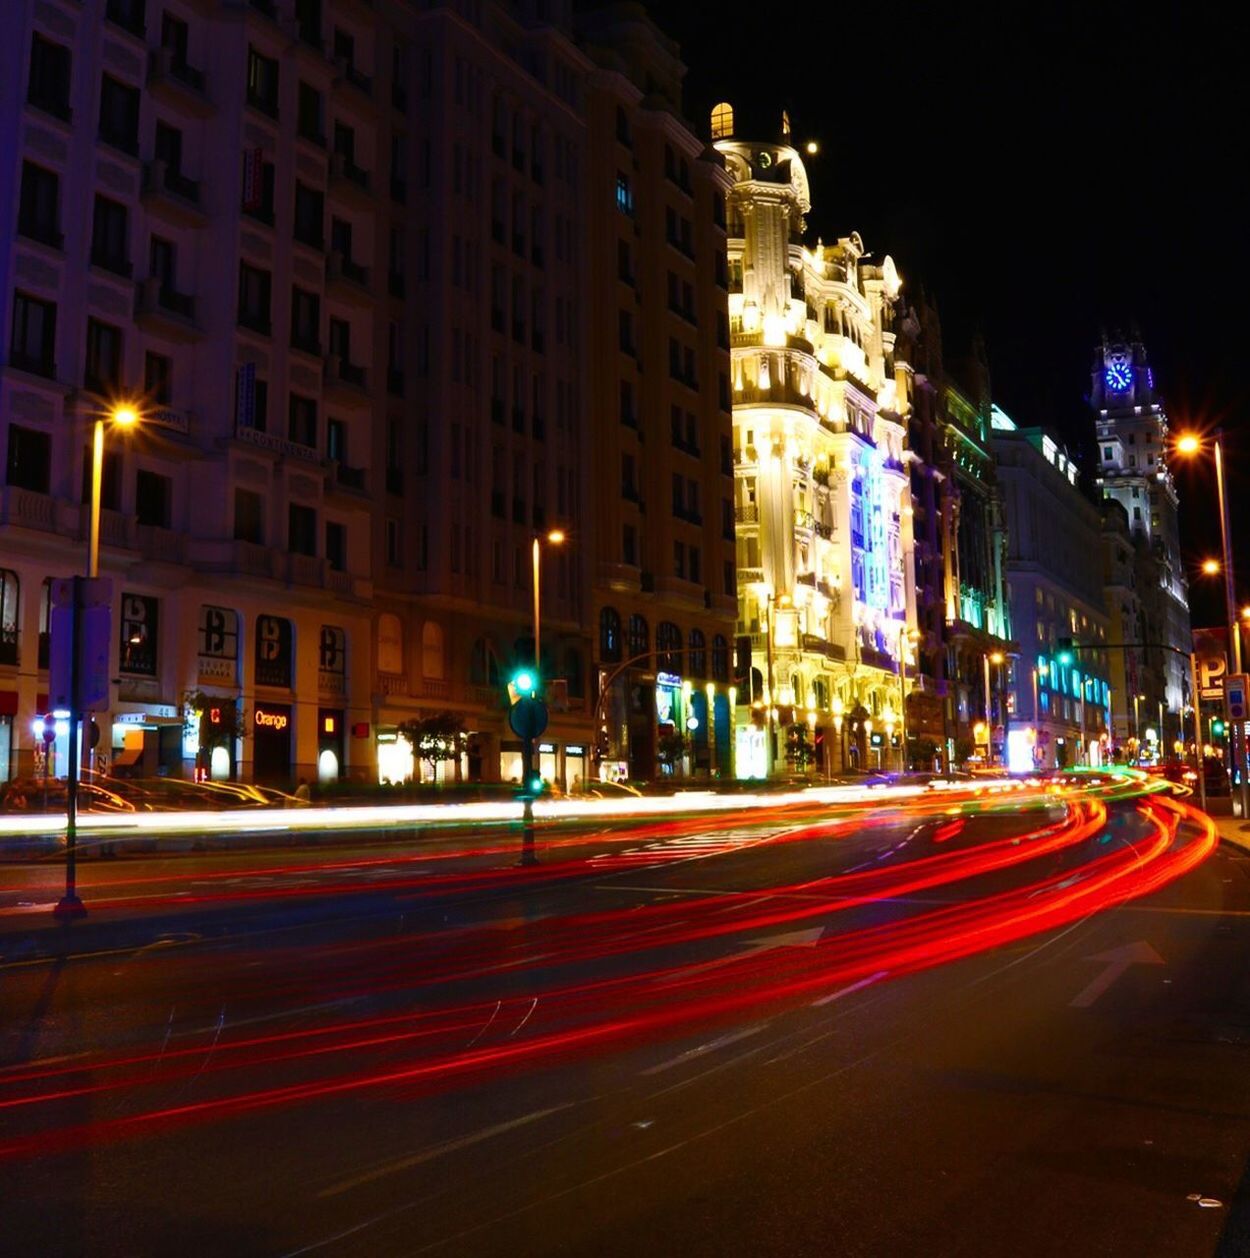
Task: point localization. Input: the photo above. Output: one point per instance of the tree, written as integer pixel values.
(435, 738)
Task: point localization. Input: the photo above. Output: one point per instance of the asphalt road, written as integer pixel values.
(903, 1031)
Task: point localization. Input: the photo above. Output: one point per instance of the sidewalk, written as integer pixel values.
(1233, 830)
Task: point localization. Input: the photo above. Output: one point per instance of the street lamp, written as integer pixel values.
(1191, 444)
(839, 712)
(996, 658)
(905, 636)
(124, 415)
(556, 538)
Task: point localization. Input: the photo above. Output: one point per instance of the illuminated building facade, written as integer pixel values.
(192, 208)
(1131, 427)
(664, 592)
(822, 500)
(1059, 708)
(978, 622)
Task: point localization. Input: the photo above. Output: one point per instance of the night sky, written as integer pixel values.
(1043, 173)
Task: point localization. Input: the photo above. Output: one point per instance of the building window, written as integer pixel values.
(32, 345)
(609, 635)
(38, 211)
(638, 641)
(301, 530)
(697, 659)
(140, 631)
(158, 375)
(305, 321)
(629, 545)
(394, 552)
(310, 122)
(110, 479)
(432, 663)
(274, 651)
(336, 545)
(262, 82)
(624, 193)
(668, 647)
(119, 115)
(104, 356)
(153, 494)
(302, 421)
(310, 216)
(720, 658)
(110, 237)
(8, 617)
(255, 291)
(49, 77)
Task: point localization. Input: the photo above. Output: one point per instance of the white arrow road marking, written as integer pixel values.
(1116, 961)
(808, 938)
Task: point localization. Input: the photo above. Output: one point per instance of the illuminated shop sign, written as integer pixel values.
(668, 679)
(574, 749)
(276, 721)
(549, 748)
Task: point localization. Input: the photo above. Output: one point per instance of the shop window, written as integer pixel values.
(697, 665)
(639, 642)
(720, 658)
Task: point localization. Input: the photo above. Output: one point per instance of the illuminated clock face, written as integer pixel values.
(1118, 376)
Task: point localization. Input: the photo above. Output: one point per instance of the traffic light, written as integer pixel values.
(1217, 727)
(523, 684)
(1067, 651)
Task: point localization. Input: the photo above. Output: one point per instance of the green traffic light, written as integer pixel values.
(524, 682)
(1066, 657)
(1217, 728)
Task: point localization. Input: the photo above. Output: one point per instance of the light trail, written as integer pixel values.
(601, 1013)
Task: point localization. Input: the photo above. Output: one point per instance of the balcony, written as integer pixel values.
(304, 570)
(830, 650)
(332, 684)
(348, 479)
(344, 381)
(176, 83)
(749, 514)
(349, 181)
(128, 16)
(159, 545)
(171, 194)
(27, 509)
(348, 280)
(33, 364)
(164, 311)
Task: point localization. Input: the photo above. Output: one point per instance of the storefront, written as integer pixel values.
(576, 766)
(271, 742)
(395, 760)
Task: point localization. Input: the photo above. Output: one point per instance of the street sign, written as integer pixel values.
(1235, 687)
(528, 718)
(95, 636)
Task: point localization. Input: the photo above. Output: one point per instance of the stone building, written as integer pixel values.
(825, 577)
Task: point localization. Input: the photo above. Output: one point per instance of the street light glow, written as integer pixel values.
(1210, 567)
(1188, 443)
(556, 536)
(125, 414)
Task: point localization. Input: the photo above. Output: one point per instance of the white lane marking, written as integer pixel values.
(1116, 962)
(846, 991)
(722, 1041)
(428, 1155)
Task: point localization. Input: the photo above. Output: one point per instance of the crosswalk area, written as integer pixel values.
(678, 848)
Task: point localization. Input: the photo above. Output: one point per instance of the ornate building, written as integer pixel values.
(1132, 431)
(822, 501)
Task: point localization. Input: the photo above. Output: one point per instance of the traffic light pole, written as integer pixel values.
(528, 854)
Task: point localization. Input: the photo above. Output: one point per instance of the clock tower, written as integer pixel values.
(1133, 448)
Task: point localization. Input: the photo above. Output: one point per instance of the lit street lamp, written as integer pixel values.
(1191, 444)
(124, 415)
(556, 538)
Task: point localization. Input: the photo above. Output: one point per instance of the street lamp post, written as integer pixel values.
(996, 658)
(773, 603)
(70, 906)
(1192, 444)
(555, 537)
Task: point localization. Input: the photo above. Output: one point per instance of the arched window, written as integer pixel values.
(609, 635)
(796, 689)
(697, 664)
(8, 616)
(332, 652)
(574, 672)
(639, 640)
(390, 644)
(720, 658)
(668, 647)
(820, 693)
(432, 664)
(45, 623)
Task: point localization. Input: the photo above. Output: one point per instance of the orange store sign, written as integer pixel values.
(271, 720)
